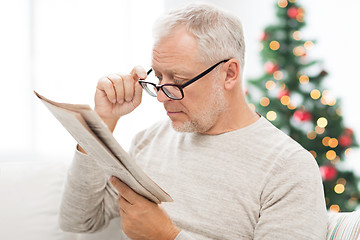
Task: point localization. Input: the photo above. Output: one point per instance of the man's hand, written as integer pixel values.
(141, 218)
(117, 95)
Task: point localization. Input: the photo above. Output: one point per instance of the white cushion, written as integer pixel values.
(344, 226)
(31, 192)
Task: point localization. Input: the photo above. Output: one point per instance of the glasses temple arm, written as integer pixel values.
(203, 73)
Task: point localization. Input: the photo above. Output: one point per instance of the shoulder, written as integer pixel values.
(277, 150)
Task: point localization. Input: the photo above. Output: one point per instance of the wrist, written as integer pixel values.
(111, 123)
(172, 233)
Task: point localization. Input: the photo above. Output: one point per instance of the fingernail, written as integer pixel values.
(113, 101)
(142, 75)
(121, 101)
(128, 99)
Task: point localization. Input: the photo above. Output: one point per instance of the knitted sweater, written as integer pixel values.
(251, 183)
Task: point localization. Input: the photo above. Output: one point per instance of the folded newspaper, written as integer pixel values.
(95, 138)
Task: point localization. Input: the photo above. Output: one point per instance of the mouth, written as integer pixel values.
(173, 113)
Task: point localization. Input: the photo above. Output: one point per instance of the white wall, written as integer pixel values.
(75, 42)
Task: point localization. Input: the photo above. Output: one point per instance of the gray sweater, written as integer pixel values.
(252, 183)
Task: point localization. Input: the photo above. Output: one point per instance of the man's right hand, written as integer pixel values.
(117, 95)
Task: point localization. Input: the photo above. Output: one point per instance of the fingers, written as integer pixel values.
(124, 204)
(129, 86)
(127, 193)
(123, 87)
(117, 82)
(105, 85)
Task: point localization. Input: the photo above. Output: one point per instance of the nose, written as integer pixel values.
(161, 97)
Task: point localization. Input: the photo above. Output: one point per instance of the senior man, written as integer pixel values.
(232, 174)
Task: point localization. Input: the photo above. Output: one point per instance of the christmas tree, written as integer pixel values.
(291, 95)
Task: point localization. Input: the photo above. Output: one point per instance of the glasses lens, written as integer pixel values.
(173, 92)
(149, 88)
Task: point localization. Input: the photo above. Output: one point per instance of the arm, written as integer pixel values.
(89, 201)
(292, 201)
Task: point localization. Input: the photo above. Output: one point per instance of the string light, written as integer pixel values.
(251, 106)
(291, 106)
(282, 3)
(325, 141)
(271, 115)
(322, 122)
(331, 155)
(313, 153)
(270, 85)
(297, 35)
(304, 79)
(282, 86)
(336, 160)
(334, 208)
(327, 98)
(339, 188)
(341, 181)
(338, 111)
(299, 51)
(353, 201)
(300, 15)
(264, 101)
(311, 135)
(274, 45)
(348, 151)
(332, 102)
(278, 75)
(315, 94)
(285, 100)
(333, 142)
(308, 44)
(319, 130)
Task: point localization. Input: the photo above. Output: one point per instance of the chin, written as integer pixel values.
(187, 126)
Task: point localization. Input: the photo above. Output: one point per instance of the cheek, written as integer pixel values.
(195, 103)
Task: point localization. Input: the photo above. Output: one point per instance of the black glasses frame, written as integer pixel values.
(143, 83)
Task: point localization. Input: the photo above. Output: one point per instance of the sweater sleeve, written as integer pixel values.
(184, 236)
(292, 201)
(89, 201)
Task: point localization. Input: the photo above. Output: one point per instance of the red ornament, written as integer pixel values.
(271, 67)
(323, 73)
(264, 36)
(292, 12)
(345, 141)
(284, 92)
(328, 172)
(302, 116)
(349, 131)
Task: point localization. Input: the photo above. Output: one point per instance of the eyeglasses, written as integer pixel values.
(173, 91)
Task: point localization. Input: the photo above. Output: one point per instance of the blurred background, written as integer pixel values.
(61, 49)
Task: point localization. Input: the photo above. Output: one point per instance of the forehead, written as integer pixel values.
(179, 50)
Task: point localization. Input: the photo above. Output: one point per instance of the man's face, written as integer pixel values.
(175, 61)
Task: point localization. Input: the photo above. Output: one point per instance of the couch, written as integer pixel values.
(31, 193)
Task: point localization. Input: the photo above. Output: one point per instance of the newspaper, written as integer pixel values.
(95, 138)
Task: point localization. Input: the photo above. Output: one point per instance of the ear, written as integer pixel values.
(232, 69)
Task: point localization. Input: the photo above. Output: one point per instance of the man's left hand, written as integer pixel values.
(141, 218)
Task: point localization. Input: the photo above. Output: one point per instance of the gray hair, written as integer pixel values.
(219, 34)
